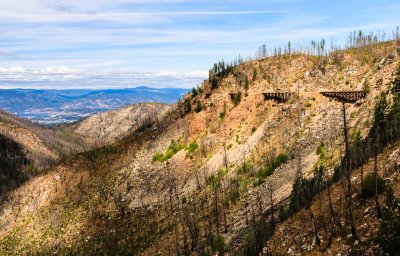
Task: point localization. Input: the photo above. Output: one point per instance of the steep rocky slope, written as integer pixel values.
(28, 149)
(191, 181)
(107, 127)
(42, 145)
(295, 235)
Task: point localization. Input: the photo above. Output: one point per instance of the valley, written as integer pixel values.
(52, 107)
(227, 170)
(29, 149)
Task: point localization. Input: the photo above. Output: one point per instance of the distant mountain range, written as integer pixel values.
(59, 106)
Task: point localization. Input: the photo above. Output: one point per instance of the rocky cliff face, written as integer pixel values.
(195, 179)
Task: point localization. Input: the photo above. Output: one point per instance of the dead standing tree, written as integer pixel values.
(347, 97)
(348, 174)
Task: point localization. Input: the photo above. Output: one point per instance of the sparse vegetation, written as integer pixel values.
(269, 169)
(215, 180)
(371, 186)
(366, 87)
(237, 98)
(193, 146)
(223, 113)
(389, 231)
(244, 168)
(322, 152)
(214, 203)
(158, 157)
(173, 148)
(198, 107)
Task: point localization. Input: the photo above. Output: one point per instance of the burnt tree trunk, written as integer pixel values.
(348, 175)
(377, 206)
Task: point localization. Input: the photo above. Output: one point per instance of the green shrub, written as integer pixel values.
(322, 152)
(283, 213)
(244, 168)
(187, 106)
(254, 74)
(218, 244)
(192, 147)
(265, 172)
(269, 169)
(246, 83)
(258, 181)
(184, 200)
(303, 191)
(215, 180)
(170, 153)
(369, 185)
(389, 230)
(223, 113)
(282, 158)
(158, 157)
(237, 98)
(173, 148)
(366, 87)
(198, 107)
(253, 130)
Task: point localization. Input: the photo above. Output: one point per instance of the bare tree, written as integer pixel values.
(348, 175)
(377, 206)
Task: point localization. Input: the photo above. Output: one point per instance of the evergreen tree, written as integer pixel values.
(389, 231)
(380, 124)
(198, 107)
(194, 92)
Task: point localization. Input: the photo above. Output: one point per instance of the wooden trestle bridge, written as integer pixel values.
(347, 97)
(280, 97)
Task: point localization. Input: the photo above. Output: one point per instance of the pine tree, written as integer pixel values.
(389, 231)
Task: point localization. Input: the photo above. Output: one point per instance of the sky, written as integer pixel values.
(61, 44)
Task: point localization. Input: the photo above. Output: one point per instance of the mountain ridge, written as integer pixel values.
(58, 106)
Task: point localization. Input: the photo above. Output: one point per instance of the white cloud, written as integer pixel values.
(69, 43)
(14, 69)
(203, 74)
(59, 70)
(62, 77)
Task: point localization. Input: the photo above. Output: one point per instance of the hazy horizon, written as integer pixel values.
(161, 43)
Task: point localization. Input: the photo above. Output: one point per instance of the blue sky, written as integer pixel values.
(161, 43)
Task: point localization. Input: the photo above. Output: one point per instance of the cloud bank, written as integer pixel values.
(62, 77)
